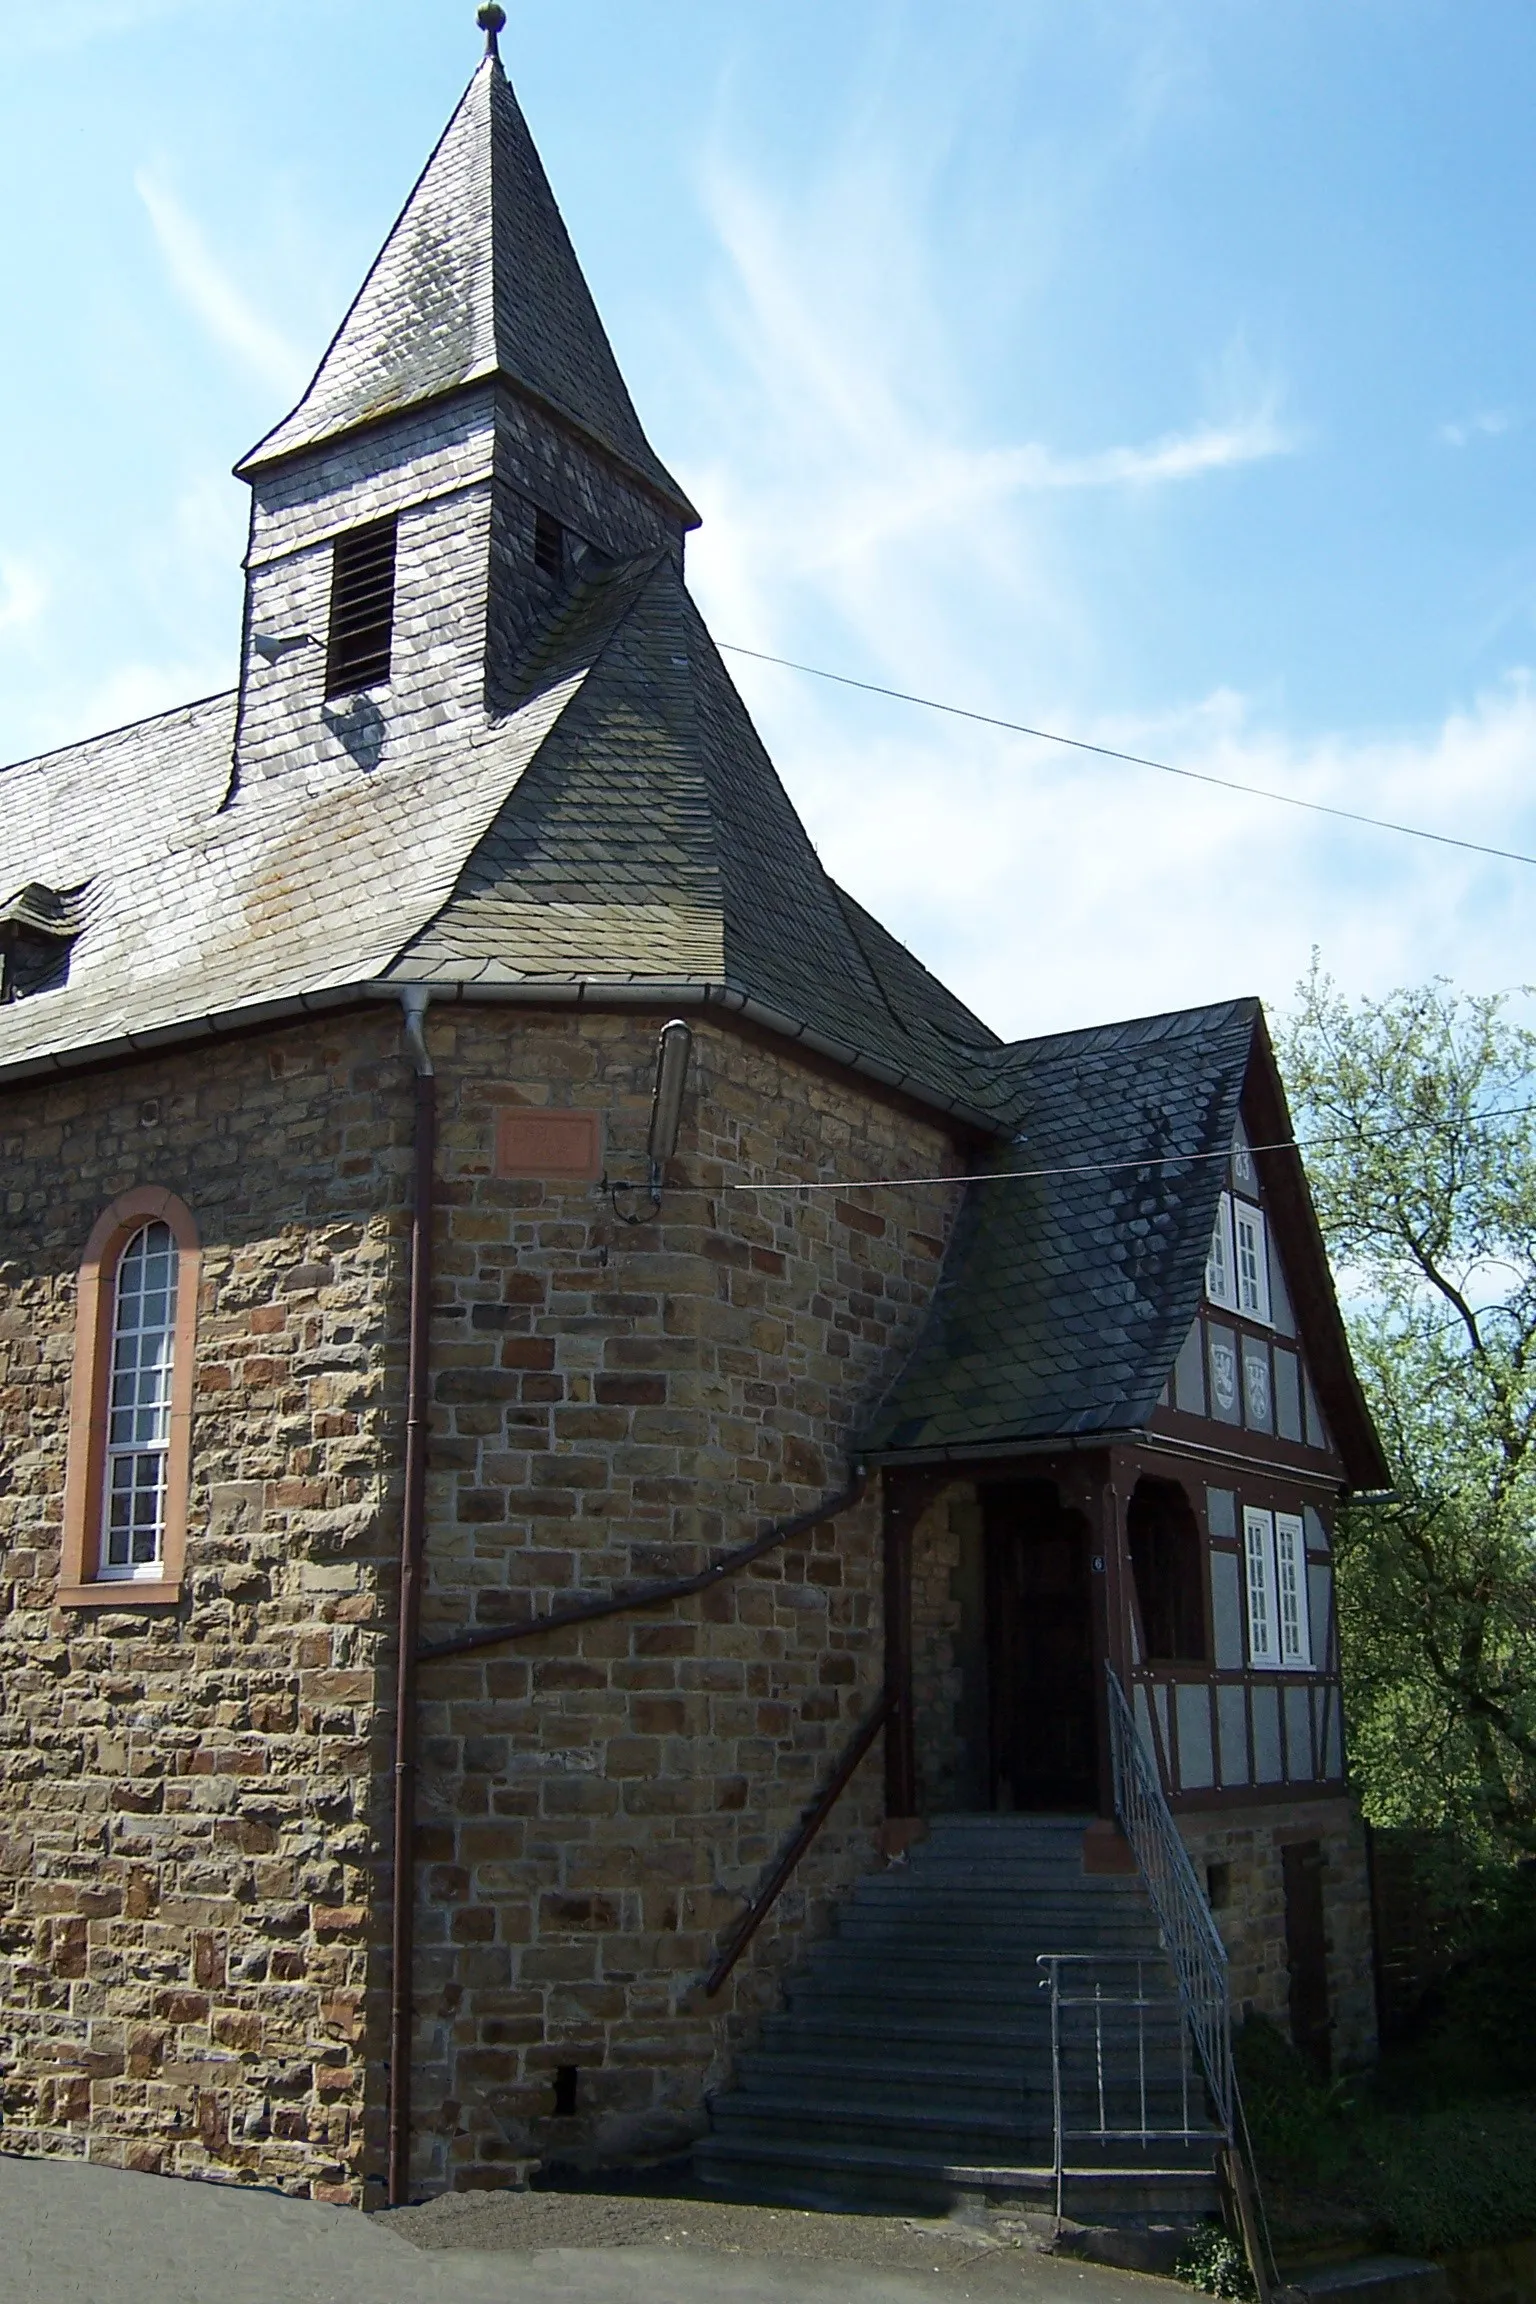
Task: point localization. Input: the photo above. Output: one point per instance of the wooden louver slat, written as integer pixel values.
(362, 609)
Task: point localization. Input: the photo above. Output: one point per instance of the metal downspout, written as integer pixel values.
(414, 999)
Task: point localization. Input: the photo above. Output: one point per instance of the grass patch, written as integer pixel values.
(1399, 2160)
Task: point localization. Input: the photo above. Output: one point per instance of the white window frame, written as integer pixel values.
(1221, 1262)
(1262, 1588)
(1275, 1576)
(1251, 1247)
(142, 1371)
(1291, 1592)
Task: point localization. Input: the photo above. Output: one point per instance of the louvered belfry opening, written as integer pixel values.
(362, 609)
(548, 544)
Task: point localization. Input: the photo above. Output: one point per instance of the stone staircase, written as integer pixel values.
(912, 2063)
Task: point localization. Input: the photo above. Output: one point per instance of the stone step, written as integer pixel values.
(954, 2130)
(1374, 2280)
(999, 1881)
(1027, 1933)
(1024, 2092)
(993, 1898)
(915, 1967)
(898, 2038)
(870, 2175)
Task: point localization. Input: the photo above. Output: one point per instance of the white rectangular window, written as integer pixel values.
(1220, 1268)
(139, 1415)
(1291, 1587)
(1252, 1265)
(1259, 1557)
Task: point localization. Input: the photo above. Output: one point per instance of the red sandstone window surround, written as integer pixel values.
(130, 1410)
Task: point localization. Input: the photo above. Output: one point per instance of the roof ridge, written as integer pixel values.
(1214, 1010)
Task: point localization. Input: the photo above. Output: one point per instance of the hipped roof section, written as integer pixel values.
(1066, 1295)
(478, 280)
(620, 828)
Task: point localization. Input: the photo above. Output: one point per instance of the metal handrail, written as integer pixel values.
(810, 1824)
(1111, 1986)
(1190, 1936)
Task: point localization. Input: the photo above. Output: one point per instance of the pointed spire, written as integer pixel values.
(493, 22)
(477, 280)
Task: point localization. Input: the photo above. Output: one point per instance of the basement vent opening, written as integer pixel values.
(362, 609)
(565, 2091)
(548, 545)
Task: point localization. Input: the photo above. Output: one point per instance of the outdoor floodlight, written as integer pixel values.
(673, 1050)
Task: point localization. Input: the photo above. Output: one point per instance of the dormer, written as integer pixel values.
(466, 451)
(38, 928)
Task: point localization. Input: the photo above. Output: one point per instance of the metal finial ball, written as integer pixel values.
(492, 20)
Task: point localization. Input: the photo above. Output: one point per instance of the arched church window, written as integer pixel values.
(1166, 1564)
(126, 1486)
(139, 1405)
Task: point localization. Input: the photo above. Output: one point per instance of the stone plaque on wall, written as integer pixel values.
(559, 1147)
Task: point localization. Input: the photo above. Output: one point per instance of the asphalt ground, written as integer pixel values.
(73, 2234)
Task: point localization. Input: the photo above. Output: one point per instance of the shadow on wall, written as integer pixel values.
(360, 730)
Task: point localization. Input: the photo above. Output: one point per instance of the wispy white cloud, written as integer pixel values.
(1486, 424)
(23, 594)
(212, 295)
(853, 519)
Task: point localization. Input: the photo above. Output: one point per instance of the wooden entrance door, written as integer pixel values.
(1306, 1952)
(1044, 1694)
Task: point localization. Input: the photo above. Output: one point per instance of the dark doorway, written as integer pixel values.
(1306, 1952)
(1044, 1692)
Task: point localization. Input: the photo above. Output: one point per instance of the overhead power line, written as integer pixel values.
(1350, 1139)
(1132, 759)
(1010, 1175)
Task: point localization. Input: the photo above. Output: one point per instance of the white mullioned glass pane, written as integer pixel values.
(139, 1417)
(1259, 1557)
(1252, 1265)
(1220, 1276)
(1291, 1587)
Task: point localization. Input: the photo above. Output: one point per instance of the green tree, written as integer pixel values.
(1418, 1114)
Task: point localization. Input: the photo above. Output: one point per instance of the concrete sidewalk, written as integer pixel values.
(71, 2234)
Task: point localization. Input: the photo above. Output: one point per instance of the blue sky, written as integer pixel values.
(1159, 370)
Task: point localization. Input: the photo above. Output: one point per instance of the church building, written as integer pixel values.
(542, 1355)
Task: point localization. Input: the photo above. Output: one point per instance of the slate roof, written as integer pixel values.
(652, 839)
(622, 826)
(478, 279)
(1065, 1297)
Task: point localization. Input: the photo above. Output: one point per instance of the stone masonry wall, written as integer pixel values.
(193, 1844)
(1251, 1917)
(613, 1404)
(188, 1831)
(949, 1654)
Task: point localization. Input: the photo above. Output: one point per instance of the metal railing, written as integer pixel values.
(1103, 2061)
(1190, 1936)
(810, 1824)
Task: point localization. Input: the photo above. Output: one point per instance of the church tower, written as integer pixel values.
(466, 450)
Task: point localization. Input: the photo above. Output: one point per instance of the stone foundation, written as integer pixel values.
(1251, 1913)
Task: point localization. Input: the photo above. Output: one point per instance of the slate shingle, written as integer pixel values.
(1065, 1297)
(477, 279)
